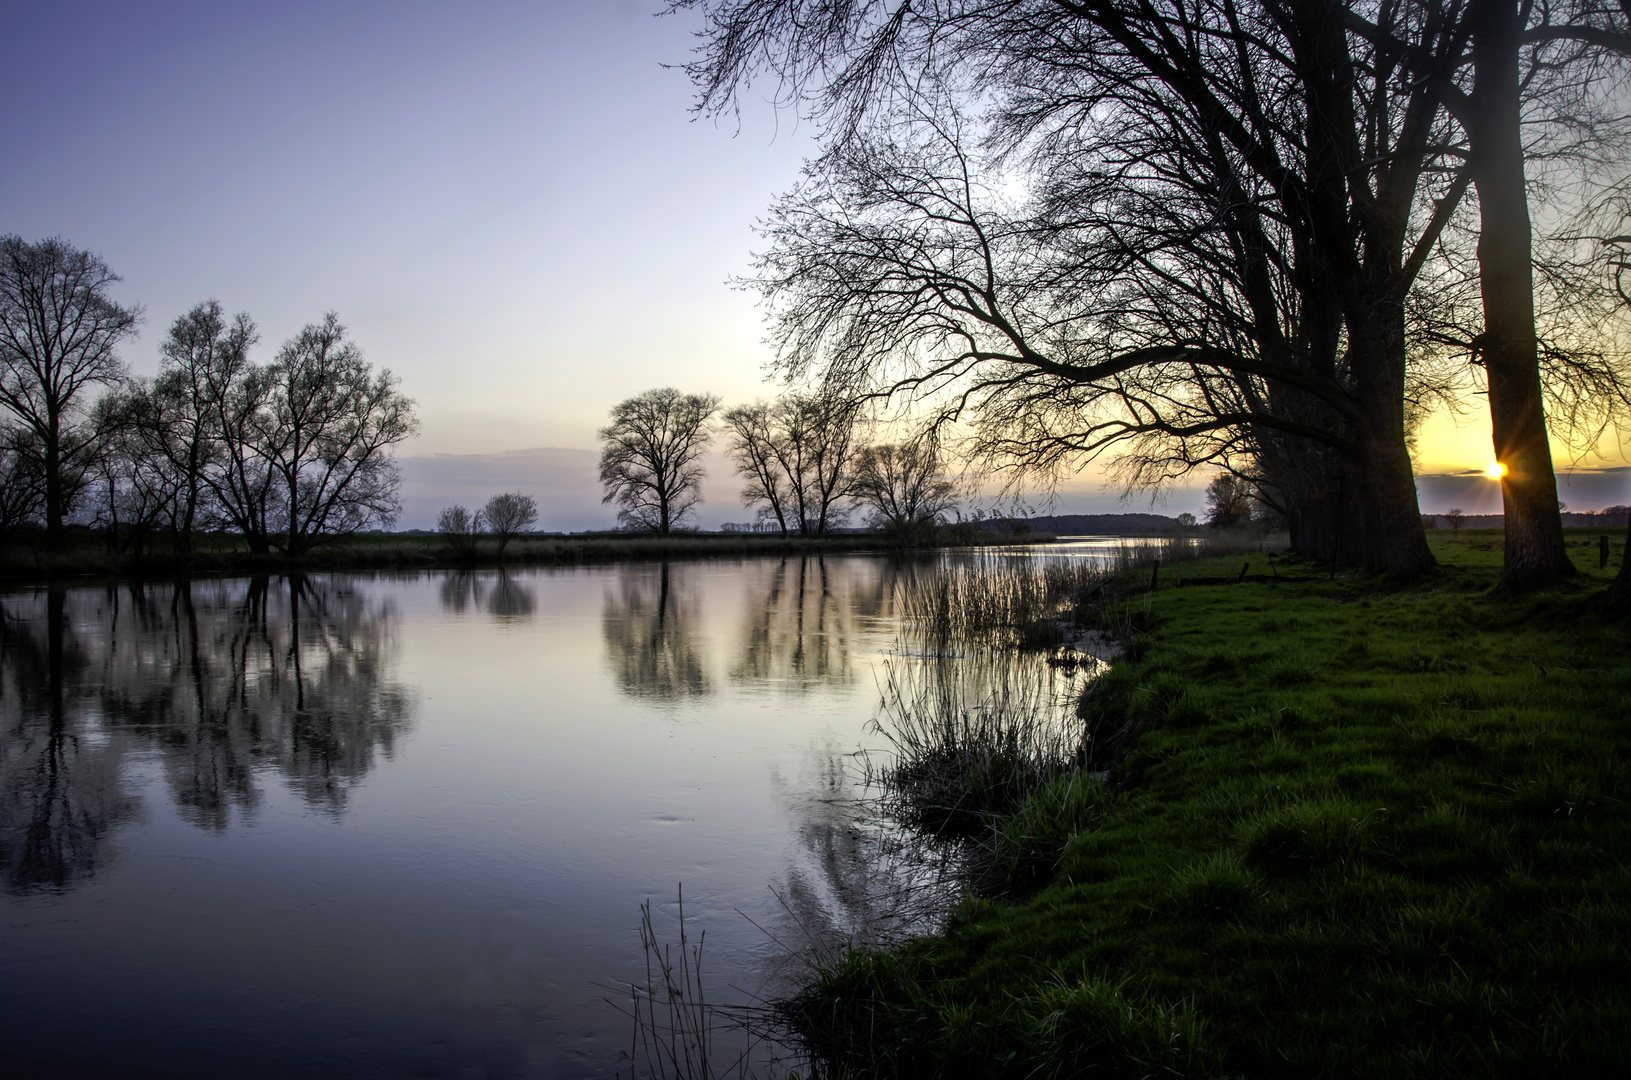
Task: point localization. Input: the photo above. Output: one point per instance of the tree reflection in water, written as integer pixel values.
(220, 678)
(862, 878)
(505, 598)
(860, 881)
(60, 793)
(510, 601)
(648, 622)
(801, 634)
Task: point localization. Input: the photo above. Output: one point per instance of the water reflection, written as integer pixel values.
(800, 634)
(856, 880)
(60, 794)
(462, 590)
(510, 601)
(503, 595)
(648, 622)
(219, 678)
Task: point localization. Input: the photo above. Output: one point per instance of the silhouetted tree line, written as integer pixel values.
(504, 517)
(802, 458)
(286, 454)
(1258, 237)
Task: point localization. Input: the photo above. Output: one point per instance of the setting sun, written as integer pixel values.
(1495, 470)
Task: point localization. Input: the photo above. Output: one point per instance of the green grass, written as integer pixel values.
(1366, 832)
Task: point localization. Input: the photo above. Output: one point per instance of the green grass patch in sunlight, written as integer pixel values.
(1366, 831)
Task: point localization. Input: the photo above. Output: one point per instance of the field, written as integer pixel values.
(1362, 831)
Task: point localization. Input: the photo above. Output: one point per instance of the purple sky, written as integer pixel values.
(508, 203)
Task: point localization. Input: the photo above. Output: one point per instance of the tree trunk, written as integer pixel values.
(1395, 542)
(54, 509)
(1535, 552)
(1618, 596)
(1395, 539)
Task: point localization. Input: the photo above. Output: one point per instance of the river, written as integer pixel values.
(402, 825)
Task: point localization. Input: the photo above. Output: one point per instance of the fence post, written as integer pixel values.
(1602, 552)
(1154, 571)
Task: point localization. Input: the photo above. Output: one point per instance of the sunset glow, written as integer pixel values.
(1495, 470)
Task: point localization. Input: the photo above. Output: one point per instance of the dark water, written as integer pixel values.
(401, 826)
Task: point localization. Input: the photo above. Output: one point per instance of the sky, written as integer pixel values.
(509, 204)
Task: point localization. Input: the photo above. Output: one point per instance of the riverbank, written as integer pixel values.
(88, 554)
(1362, 831)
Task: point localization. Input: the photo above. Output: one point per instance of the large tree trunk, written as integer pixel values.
(1618, 597)
(1535, 551)
(1319, 489)
(1395, 539)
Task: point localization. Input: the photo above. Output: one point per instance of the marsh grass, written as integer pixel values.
(678, 1033)
(971, 738)
(995, 599)
(1361, 831)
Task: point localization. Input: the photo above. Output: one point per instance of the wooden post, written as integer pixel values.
(1602, 552)
(1155, 570)
(1243, 568)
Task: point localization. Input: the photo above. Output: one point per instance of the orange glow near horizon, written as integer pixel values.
(1447, 443)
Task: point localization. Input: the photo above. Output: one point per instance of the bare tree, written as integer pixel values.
(506, 515)
(59, 337)
(459, 528)
(753, 436)
(240, 476)
(1251, 192)
(1492, 64)
(904, 487)
(819, 454)
(1618, 597)
(22, 481)
(796, 456)
(180, 417)
(325, 431)
(1455, 516)
(1212, 265)
(649, 459)
(132, 490)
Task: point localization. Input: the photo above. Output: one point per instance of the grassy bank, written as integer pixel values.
(89, 554)
(1363, 831)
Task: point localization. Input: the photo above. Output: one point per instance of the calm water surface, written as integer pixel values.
(401, 826)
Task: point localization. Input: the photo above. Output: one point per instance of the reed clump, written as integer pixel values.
(971, 738)
(998, 600)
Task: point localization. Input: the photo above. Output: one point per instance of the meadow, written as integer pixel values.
(1322, 828)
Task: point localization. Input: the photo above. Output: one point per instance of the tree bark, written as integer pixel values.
(1534, 549)
(1618, 596)
(54, 508)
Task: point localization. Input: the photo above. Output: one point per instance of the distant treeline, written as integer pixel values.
(1613, 517)
(1086, 524)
